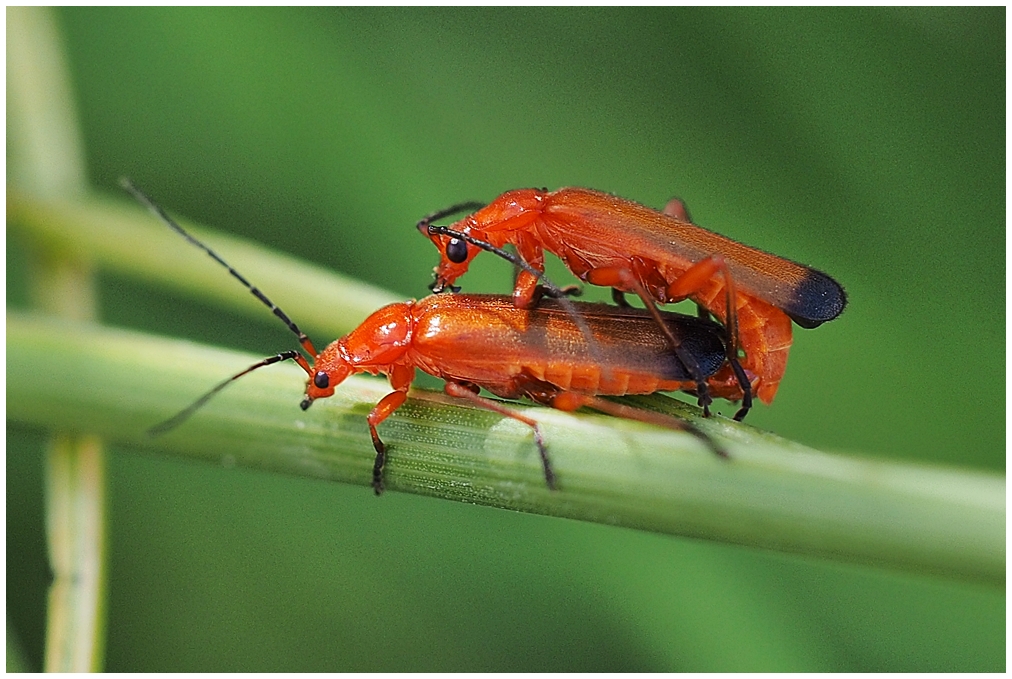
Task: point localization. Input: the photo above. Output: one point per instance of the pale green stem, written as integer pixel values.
(45, 153)
(121, 236)
(75, 529)
(772, 494)
(75, 498)
(46, 158)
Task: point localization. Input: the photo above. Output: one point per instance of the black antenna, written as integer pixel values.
(516, 260)
(466, 206)
(185, 413)
(290, 354)
(162, 215)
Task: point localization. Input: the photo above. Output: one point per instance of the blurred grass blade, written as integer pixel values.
(121, 236)
(44, 149)
(75, 497)
(773, 493)
(46, 157)
(76, 530)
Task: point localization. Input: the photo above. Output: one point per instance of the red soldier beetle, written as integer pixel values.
(662, 257)
(484, 341)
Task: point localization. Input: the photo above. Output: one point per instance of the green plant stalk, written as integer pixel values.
(46, 157)
(772, 494)
(76, 525)
(44, 149)
(76, 534)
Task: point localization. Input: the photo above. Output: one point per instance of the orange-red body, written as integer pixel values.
(606, 240)
(486, 341)
(480, 341)
(559, 359)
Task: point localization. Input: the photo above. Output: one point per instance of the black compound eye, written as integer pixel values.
(456, 250)
(321, 380)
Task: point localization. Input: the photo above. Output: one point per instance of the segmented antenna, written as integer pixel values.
(171, 223)
(466, 206)
(185, 413)
(290, 354)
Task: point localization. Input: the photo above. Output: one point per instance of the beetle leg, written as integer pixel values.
(526, 290)
(694, 278)
(568, 401)
(651, 417)
(567, 291)
(387, 405)
(461, 391)
(622, 277)
(698, 275)
(746, 388)
(400, 379)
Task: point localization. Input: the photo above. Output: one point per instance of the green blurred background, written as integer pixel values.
(866, 143)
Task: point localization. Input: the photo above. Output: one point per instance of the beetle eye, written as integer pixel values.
(321, 380)
(456, 250)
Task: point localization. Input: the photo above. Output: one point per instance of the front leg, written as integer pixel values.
(525, 288)
(387, 405)
(400, 379)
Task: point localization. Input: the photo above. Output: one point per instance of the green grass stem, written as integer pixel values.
(46, 157)
(773, 494)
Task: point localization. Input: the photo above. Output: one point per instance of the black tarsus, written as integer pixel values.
(378, 463)
(746, 388)
(732, 347)
(618, 297)
(573, 290)
(546, 463)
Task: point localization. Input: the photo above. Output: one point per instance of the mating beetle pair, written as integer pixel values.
(566, 354)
